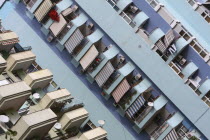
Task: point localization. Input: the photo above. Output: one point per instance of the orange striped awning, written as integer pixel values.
(120, 91)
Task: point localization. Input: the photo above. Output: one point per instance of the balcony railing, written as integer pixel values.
(159, 130)
(113, 4)
(128, 19)
(143, 114)
(176, 69)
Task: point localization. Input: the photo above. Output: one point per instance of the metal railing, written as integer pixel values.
(159, 130)
(143, 114)
(128, 19)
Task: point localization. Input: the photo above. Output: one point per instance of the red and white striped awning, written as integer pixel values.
(172, 136)
(120, 91)
(104, 74)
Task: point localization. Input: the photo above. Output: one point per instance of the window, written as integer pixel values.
(31, 3)
(113, 4)
(127, 19)
(53, 84)
(198, 48)
(186, 35)
(204, 14)
(176, 69)
(206, 100)
(8, 78)
(191, 2)
(207, 19)
(153, 3)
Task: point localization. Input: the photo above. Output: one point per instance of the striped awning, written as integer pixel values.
(104, 74)
(134, 108)
(57, 27)
(172, 136)
(43, 9)
(9, 42)
(74, 40)
(89, 57)
(161, 46)
(169, 37)
(120, 91)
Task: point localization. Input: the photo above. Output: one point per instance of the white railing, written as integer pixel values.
(203, 13)
(128, 19)
(176, 69)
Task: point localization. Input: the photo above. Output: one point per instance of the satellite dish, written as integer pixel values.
(4, 118)
(57, 126)
(101, 122)
(36, 96)
(150, 104)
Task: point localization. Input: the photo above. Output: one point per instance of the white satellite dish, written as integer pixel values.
(101, 122)
(4, 118)
(150, 104)
(57, 126)
(36, 96)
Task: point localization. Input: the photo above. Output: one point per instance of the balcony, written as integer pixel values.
(94, 134)
(143, 114)
(73, 118)
(113, 4)
(206, 99)
(94, 64)
(30, 128)
(13, 96)
(163, 126)
(176, 69)
(39, 79)
(95, 39)
(3, 64)
(204, 88)
(147, 116)
(119, 76)
(20, 61)
(159, 130)
(128, 19)
(111, 80)
(7, 40)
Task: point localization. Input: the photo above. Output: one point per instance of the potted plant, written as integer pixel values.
(194, 138)
(10, 134)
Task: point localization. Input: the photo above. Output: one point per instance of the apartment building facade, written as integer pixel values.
(148, 59)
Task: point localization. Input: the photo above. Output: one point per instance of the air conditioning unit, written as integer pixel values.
(183, 61)
(134, 9)
(137, 77)
(122, 59)
(90, 25)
